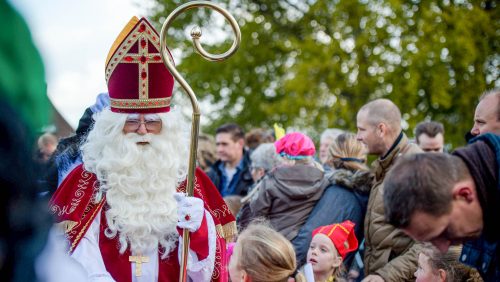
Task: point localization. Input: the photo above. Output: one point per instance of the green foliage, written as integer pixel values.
(312, 64)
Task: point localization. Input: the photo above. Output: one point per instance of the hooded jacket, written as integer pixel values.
(287, 197)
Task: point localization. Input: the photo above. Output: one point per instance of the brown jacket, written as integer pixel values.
(388, 251)
(287, 197)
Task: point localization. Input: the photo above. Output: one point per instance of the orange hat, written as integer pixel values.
(138, 81)
(342, 236)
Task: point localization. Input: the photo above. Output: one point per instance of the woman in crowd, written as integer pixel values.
(289, 193)
(264, 160)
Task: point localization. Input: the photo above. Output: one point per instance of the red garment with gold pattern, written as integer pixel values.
(74, 207)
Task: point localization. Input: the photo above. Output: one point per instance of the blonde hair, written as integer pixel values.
(347, 146)
(266, 255)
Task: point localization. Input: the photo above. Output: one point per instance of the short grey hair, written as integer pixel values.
(383, 111)
(265, 156)
(331, 133)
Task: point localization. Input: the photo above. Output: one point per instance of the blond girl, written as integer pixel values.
(263, 255)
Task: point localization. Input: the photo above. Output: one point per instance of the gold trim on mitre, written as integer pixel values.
(140, 103)
(125, 31)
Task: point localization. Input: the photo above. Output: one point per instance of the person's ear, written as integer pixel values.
(337, 261)
(381, 129)
(464, 191)
(442, 275)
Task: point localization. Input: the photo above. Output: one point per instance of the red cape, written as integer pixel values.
(75, 208)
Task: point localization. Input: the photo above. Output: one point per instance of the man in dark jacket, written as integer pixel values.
(231, 173)
(451, 199)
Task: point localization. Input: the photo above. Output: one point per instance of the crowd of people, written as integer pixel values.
(265, 206)
(284, 195)
(413, 193)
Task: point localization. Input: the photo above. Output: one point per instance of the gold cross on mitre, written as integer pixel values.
(139, 260)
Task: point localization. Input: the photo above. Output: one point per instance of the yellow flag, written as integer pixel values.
(278, 131)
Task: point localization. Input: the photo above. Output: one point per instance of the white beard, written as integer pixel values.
(138, 180)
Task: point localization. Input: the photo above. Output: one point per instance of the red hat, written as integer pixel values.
(342, 236)
(138, 81)
(295, 144)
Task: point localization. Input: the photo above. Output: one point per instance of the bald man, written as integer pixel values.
(487, 115)
(390, 255)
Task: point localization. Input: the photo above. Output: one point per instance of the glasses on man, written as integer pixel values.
(152, 123)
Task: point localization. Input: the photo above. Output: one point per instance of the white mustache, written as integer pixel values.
(136, 138)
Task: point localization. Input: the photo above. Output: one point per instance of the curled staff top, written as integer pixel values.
(196, 32)
(196, 35)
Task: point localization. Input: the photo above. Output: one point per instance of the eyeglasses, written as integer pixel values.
(151, 125)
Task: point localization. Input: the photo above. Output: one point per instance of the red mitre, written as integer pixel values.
(138, 81)
(342, 236)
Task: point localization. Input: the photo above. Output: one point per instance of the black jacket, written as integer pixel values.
(482, 157)
(245, 178)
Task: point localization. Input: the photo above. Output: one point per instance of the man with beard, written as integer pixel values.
(390, 255)
(123, 209)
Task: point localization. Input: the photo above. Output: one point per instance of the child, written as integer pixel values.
(262, 254)
(434, 266)
(329, 246)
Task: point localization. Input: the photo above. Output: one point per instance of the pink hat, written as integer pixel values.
(295, 145)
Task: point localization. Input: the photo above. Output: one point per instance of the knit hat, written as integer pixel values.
(138, 81)
(342, 236)
(295, 146)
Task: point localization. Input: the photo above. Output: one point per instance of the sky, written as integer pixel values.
(74, 38)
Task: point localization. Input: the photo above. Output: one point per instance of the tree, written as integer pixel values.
(313, 64)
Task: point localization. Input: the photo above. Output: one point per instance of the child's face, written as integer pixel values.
(235, 272)
(424, 272)
(323, 255)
